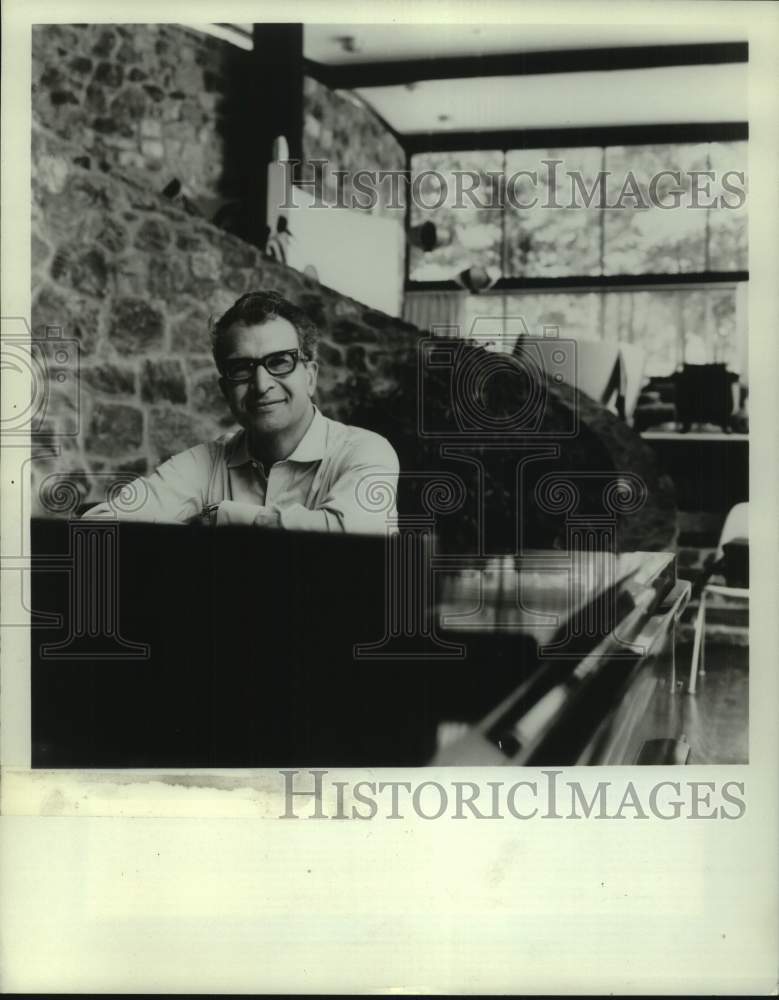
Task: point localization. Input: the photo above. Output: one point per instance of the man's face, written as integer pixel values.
(268, 405)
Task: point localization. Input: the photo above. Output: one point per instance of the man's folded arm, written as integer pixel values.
(174, 493)
(362, 499)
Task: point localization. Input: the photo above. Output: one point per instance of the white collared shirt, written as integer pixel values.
(339, 478)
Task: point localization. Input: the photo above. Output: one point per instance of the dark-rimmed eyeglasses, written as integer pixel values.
(237, 370)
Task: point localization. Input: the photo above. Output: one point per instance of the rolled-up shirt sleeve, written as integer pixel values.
(346, 483)
(174, 493)
(363, 496)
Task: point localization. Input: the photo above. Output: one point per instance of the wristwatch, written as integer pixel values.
(208, 514)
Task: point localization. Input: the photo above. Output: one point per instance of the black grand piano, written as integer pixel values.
(185, 646)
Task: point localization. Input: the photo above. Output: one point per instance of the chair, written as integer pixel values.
(736, 526)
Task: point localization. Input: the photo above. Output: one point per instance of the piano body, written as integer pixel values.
(167, 646)
(599, 631)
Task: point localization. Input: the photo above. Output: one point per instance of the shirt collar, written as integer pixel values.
(311, 447)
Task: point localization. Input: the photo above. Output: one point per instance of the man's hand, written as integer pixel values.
(232, 512)
(206, 517)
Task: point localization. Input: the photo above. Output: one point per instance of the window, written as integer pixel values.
(556, 234)
(670, 208)
(591, 217)
(466, 232)
(697, 325)
(642, 236)
(727, 243)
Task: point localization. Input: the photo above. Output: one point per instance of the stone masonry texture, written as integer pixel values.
(163, 102)
(144, 99)
(128, 281)
(135, 281)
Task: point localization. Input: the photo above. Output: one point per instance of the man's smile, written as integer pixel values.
(263, 404)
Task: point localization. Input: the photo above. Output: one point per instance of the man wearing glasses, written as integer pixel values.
(288, 466)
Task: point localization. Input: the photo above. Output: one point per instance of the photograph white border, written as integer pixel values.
(188, 881)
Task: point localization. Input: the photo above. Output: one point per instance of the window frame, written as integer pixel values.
(540, 139)
(666, 286)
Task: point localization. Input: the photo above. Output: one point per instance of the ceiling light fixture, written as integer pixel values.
(347, 43)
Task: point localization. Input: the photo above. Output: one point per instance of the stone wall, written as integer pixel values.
(134, 280)
(119, 112)
(161, 102)
(148, 100)
(346, 133)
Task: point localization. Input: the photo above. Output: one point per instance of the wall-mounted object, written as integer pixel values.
(424, 236)
(477, 279)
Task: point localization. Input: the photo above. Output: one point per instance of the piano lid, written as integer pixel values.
(554, 711)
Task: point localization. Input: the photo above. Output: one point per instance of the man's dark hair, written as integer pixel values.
(255, 308)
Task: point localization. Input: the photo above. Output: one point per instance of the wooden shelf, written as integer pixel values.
(692, 436)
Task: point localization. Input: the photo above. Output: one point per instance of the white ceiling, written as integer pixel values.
(676, 94)
(667, 95)
(396, 42)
